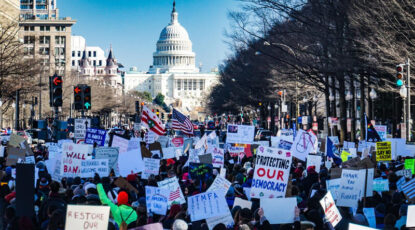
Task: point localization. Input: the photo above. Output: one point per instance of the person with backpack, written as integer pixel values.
(122, 213)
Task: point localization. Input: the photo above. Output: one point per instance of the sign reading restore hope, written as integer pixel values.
(272, 169)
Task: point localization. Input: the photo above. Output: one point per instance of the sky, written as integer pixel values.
(133, 27)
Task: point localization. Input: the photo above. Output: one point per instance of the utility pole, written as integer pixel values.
(16, 122)
(408, 98)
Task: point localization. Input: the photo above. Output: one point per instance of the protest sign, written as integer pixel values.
(30, 160)
(222, 172)
(15, 140)
(344, 156)
(227, 220)
(80, 128)
(53, 150)
(90, 167)
(87, 217)
(150, 137)
(275, 215)
(110, 153)
(124, 184)
(172, 152)
(121, 143)
(151, 166)
(200, 171)
(333, 186)
(369, 180)
(242, 203)
(272, 169)
(134, 143)
(14, 154)
(205, 158)
(330, 210)
(177, 142)
(220, 185)
(77, 151)
(314, 160)
(359, 227)
(156, 200)
(155, 226)
(206, 205)
(351, 187)
(176, 194)
(240, 134)
(399, 183)
(95, 136)
(130, 162)
(235, 151)
(370, 216)
(410, 164)
(382, 131)
(164, 141)
(70, 167)
(398, 147)
(334, 139)
(410, 220)
(380, 185)
(409, 190)
(383, 151)
(2, 151)
(304, 144)
(407, 173)
(218, 157)
(202, 142)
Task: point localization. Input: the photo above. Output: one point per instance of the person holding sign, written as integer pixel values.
(122, 213)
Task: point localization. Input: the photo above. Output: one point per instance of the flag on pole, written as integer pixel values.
(371, 134)
(181, 122)
(152, 122)
(332, 152)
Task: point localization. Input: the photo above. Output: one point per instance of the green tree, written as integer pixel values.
(159, 100)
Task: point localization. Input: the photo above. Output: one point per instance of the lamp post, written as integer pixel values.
(259, 117)
(373, 95)
(269, 117)
(1, 113)
(277, 115)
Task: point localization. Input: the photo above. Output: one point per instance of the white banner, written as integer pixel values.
(87, 217)
(218, 157)
(176, 194)
(330, 210)
(151, 166)
(130, 162)
(304, 144)
(220, 185)
(282, 215)
(80, 128)
(121, 143)
(206, 205)
(240, 134)
(156, 200)
(90, 167)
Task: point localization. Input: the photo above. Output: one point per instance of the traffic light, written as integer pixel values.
(162, 116)
(78, 97)
(137, 106)
(56, 88)
(158, 113)
(399, 75)
(87, 97)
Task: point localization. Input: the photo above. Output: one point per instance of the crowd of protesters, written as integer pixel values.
(128, 208)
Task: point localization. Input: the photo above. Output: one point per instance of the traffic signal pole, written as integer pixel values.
(408, 98)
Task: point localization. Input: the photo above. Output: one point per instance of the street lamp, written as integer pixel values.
(373, 95)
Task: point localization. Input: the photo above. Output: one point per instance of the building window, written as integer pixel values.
(44, 50)
(28, 51)
(149, 87)
(44, 40)
(95, 63)
(79, 62)
(60, 40)
(73, 53)
(194, 84)
(73, 62)
(29, 39)
(29, 28)
(59, 51)
(42, 28)
(47, 28)
(79, 53)
(201, 84)
(95, 53)
(89, 53)
(185, 84)
(100, 62)
(60, 28)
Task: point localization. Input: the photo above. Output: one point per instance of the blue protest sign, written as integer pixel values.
(95, 136)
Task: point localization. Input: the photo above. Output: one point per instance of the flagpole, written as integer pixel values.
(365, 127)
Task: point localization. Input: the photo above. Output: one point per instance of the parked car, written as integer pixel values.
(263, 135)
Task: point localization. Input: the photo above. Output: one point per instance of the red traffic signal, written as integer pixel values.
(77, 90)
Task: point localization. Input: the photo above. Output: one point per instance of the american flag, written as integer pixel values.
(181, 122)
(174, 194)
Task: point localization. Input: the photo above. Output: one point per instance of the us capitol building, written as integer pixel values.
(174, 73)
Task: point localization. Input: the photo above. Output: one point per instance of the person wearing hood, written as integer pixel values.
(92, 197)
(121, 212)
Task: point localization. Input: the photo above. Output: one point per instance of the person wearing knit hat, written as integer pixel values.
(179, 225)
(121, 212)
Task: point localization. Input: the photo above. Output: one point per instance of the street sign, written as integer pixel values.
(304, 120)
(284, 108)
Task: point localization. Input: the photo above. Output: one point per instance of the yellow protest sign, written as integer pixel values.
(383, 151)
(344, 156)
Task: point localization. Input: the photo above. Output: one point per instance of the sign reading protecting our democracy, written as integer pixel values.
(271, 174)
(90, 167)
(240, 134)
(95, 136)
(87, 217)
(206, 205)
(330, 210)
(383, 151)
(157, 200)
(151, 166)
(80, 128)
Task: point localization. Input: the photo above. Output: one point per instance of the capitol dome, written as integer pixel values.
(174, 49)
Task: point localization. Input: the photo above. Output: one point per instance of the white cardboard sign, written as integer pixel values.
(156, 200)
(87, 217)
(240, 134)
(220, 185)
(172, 185)
(283, 215)
(130, 162)
(206, 205)
(151, 166)
(121, 143)
(330, 210)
